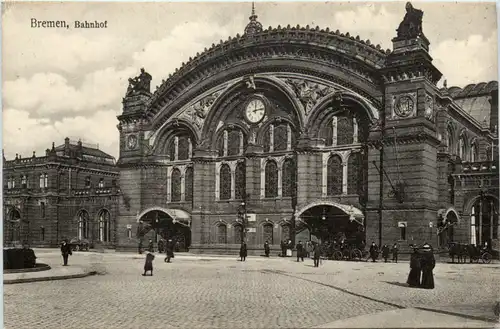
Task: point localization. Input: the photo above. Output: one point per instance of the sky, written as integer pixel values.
(59, 83)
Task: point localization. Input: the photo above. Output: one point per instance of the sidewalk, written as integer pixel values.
(408, 318)
(55, 273)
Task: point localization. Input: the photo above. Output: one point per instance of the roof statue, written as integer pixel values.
(254, 26)
(139, 83)
(411, 26)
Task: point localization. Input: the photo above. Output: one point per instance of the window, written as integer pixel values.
(176, 185)
(9, 183)
(222, 233)
(42, 233)
(225, 182)
(280, 140)
(473, 152)
(104, 226)
(88, 182)
(42, 209)
(240, 180)
(23, 181)
(101, 183)
(288, 178)
(285, 232)
(237, 229)
(334, 175)
(13, 183)
(183, 148)
(402, 231)
(171, 150)
(267, 233)
(484, 221)
(129, 233)
(327, 132)
(267, 139)
(345, 130)
(354, 174)
(44, 180)
(220, 145)
(271, 179)
(188, 178)
(83, 225)
(462, 148)
(233, 147)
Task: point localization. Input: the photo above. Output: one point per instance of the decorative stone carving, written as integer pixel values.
(404, 105)
(309, 93)
(139, 83)
(197, 112)
(249, 80)
(411, 26)
(429, 107)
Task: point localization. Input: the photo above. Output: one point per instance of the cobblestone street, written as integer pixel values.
(225, 293)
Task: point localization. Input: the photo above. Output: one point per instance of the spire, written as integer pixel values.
(253, 26)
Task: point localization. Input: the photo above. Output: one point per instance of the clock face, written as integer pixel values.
(255, 110)
(405, 106)
(132, 142)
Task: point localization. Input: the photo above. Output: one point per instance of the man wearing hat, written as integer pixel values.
(428, 262)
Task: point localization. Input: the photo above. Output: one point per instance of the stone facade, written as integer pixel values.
(297, 130)
(71, 192)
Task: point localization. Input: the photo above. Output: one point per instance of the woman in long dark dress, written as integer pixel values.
(428, 264)
(148, 265)
(415, 269)
(243, 251)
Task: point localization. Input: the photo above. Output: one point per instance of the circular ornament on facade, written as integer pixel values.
(404, 106)
(132, 142)
(255, 110)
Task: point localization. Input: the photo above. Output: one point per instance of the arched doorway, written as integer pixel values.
(104, 219)
(12, 226)
(83, 225)
(447, 220)
(484, 221)
(330, 222)
(172, 224)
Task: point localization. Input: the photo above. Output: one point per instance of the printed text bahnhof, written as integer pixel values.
(35, 23)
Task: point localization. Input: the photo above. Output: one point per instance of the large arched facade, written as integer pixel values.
(254, 129)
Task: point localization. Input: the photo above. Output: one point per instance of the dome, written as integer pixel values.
(253, 26)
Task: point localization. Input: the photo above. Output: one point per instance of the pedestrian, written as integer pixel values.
(151, 247)
(289, 247)
(65, 251)
(169, 249)
(283, 248)
(374, 252)
(300, 251)
(243, 251)
(148, 265)
(395, 253)
(308, 248)
(161, 245)
(385, 252)
(415, 269)
(316, 254)
(266, 249)
(428, 262)
(140, 247)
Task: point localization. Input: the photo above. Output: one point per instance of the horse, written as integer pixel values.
(459, 250)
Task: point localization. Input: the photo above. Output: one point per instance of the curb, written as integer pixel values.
(462, 315)
(49, 278)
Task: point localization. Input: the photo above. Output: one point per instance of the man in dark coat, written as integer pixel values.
(243, 251)
(415, 269)
(161, 245)
(266, 249)
(316, 254)
(151, 248)
(65, 251)
(300, 251)
(395, 253)
(169, 249)
(148, 265)
(385, 252)
(428, 262)
(373, 252)
(283, 248)
(140, 247)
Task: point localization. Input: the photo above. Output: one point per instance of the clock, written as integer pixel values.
(131, 142)
(404, 106)
(255, 110)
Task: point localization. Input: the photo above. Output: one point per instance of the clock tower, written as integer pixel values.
(409, 140)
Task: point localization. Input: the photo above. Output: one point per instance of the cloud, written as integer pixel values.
(474, 60)
(24, 134)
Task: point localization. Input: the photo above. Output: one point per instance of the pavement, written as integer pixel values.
(205, 291)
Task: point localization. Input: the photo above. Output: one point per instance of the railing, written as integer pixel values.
(25, 161)
(479, 167)
(95, 191)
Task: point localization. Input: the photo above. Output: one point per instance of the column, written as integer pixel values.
(183, 182)
(225, 143)
(217, 180)
(280, 177)
(262, 178)
(176, 148)
(344, 177)
(355, 128)
(491, 220)
(241, 142)
(232, 165)
(334, 134)
(190, 145)
(473, 225)
(481, 221)
(288, 137)
(169, 184)
(324, 174)
(271, 138)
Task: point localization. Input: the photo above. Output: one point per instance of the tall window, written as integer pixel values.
(83, 225)
(42, 209)
(285, 232)
(271, 179)
(179, 148)
(46, 180)
(225, 182)
(473, 152)
(183, 152)
(23, 181)
(449, 139)
(175, 189)
(104, 226)
(402, 231)
(462, 148)
(88, 181)
(171, 150)
(189, 184)
(354, 176)
(240, 180)
(233, 143)
(267, 233)
(221, 145)
(288, 178)
(222, 233)
(280, 139)
(345, 130)
(484, 221)
(327, 132)
(42, 181)
(237, 229)
(101, 182)
(334, 175)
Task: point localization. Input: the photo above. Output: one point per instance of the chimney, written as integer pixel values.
(34, 156)
(17, 156)
(66, 146)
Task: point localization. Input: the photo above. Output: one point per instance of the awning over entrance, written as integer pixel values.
(442, 214)
(177, 215)
(354, 213)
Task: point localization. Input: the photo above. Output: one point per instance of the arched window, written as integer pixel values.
(345, 130)
(285, 232)
(220, 145)
(334, 176)
(449, 139)
(183, 148)
(104, 226)
(175, 189)
(42, 181)
(222, 233)
(271, 178)
(83, 225)
(240, 180)
(462, 148)
(233, 143)
(267, 233)
(327, 132)
(267, 139)
(473, 152)
(288, 178)
(237, 229)
(354, 178)
(280, 140)
(189, 184)
(484, 221)
(23, 181)
(171, 149)
(225, 182)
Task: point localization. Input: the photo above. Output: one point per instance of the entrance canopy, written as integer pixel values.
(354, 213)
(447, 215)
(176, 215)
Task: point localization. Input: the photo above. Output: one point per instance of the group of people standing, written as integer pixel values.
(374, 252)
(422, 263)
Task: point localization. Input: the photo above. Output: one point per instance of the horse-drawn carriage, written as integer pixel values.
(473, 252)
(348, 249)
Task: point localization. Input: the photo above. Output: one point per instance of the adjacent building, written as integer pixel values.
(70, 192)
